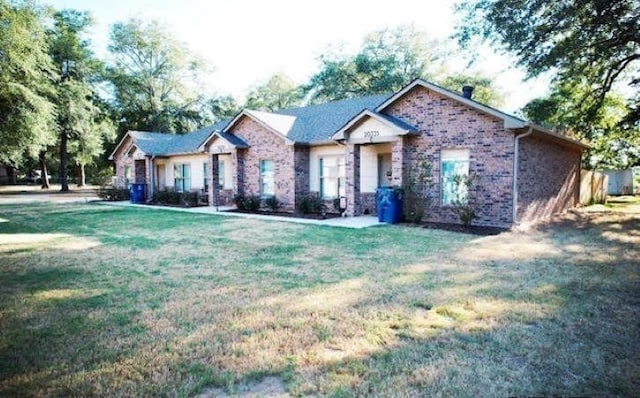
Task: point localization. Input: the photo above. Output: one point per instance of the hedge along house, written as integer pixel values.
(347, 149)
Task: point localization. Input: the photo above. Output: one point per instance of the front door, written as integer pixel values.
(384, 170)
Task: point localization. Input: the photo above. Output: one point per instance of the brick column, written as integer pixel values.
(237, 167)
(213, 191)
(353, 179)
(398, 161)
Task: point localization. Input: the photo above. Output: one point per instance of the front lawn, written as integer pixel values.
(108, 301)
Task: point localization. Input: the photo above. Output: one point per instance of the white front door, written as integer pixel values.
(384, 170)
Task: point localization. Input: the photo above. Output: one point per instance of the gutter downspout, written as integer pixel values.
(516, 160)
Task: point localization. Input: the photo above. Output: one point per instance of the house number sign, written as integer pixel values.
(371, 134)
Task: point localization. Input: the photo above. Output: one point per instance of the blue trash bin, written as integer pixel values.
(389, 204)
(136, 193)
(382, 202)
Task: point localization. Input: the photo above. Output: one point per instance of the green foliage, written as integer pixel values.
(310, 204)
(153, 77)
(278, 92)
(417, 186)
(223, 107)
(463, 202)
(596, 40)
(113, 194)
(484, 90)
(247, 203)
(172, 197)
(272, 203)
(387, 60)
(27, 114)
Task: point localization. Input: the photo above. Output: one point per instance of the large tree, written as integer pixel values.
(81, 123)
(26, 113)
(278, 92)
(387, 60)
(155, 79)
(596, 40)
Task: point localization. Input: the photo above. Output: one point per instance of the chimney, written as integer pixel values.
(467, 91)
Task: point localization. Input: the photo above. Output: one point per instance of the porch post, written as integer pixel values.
(398, 161)
(352, 170)
(212, 192)
(237, 168)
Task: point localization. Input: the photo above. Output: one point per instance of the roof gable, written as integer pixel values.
(275, 123)
(394, 125)
(510, 122)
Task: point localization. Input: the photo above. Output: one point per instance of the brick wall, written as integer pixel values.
(443, 123)
(548, 178)
(265, 145)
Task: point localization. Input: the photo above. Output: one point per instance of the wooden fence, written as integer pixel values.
(593, 187)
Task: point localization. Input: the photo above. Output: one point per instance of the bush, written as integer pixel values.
(247, 203)
(167, 197)
(189, 199)
(309, 204)
(113, 193)
(272, 203)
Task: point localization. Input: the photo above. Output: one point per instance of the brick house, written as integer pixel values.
(347, 149)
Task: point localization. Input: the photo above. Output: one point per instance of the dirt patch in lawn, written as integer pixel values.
(269, 387)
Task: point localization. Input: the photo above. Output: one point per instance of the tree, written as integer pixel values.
(593, 39)
(79, 118)
(387, 60)
(223, 107)
(278, 92)
(483, 87)
(26, 113)
(612, 146)
(155, 79)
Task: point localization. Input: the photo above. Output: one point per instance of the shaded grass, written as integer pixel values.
(107, 301)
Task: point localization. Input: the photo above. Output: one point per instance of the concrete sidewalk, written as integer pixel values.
(342, 222)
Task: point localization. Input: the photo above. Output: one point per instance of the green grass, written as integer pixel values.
(107, 301)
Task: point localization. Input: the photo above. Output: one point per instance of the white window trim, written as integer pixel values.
(262, 193)
(339, 178)
(457, 155)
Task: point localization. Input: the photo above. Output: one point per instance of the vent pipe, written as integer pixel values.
(467, 91)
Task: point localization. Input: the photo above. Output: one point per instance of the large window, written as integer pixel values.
(332, 172)
(267, 183)
(128, 176)
(182, 177)
(454, 172)
(221, 174)
(205, 173)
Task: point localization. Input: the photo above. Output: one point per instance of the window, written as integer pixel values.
(221, 174)
(182, 177)
(128, 175)
(332, 172)
(454, 165)
(205, 173)
(267, 184)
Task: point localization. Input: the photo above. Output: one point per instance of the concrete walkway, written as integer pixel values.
(343, 222)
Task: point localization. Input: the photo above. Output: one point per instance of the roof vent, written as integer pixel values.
(467, 91)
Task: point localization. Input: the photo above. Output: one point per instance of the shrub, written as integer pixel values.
(309, 204)
(463, 204)
(113, 193)
(167, 197)
(189, 199)
(272, 203)
(417, 187)
(247, 203)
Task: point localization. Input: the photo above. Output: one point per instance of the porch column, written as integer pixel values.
(352, 171)
(399, 161)
(212, 192)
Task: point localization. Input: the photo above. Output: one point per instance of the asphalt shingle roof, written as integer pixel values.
(317, 123)
(161, 144)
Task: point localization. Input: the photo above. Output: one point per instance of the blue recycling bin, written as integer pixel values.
(136, 193)
(389, 204)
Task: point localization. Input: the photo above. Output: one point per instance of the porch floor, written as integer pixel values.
(358, 222)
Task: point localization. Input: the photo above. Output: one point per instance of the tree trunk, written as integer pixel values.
(80, 176)
(44, 176)
(64, 178)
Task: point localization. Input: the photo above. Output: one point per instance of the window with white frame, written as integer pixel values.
(205, 173)
(332, 172)
(221, 174)
(454, 170)
(267, 181)
(128, 175)
(182, 177)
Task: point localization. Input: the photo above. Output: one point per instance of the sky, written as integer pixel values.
(247, 41)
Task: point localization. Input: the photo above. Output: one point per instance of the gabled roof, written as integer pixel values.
(510, 121)
(230, 138)
(396, 124)
(317, 123)
(163, 144)
(276, 123)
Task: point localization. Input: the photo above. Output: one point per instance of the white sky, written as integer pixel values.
(246, 41)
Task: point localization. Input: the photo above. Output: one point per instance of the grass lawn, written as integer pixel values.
(107, 301)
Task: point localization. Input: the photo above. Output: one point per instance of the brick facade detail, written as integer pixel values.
(548, 179)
